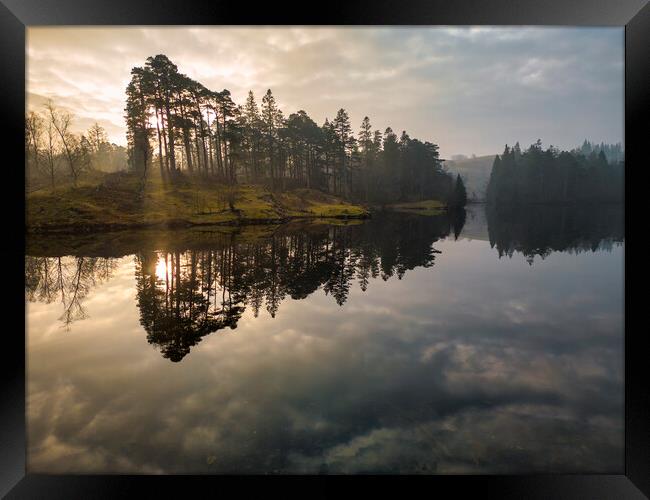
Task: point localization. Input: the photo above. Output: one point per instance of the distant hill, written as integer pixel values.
(475, 173)
(475, 227)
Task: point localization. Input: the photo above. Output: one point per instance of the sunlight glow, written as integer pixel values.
(161, 269)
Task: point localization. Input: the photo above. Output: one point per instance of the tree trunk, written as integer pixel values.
(188, 150)
(170, 130)
(160, 157)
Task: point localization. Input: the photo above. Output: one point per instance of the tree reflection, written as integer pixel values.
(68, 279)
(458, 217)
(184, 296)
(542, 230)
(189, 301)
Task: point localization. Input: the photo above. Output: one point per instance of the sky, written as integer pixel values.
(471, 90)
(521, 372)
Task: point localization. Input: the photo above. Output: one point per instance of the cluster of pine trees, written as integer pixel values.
(179, 125)
(613, 152)
(552, 176)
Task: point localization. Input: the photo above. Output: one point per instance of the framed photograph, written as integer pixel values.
(373, 248)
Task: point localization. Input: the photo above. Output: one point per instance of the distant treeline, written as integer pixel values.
(613, 152)
(552, 176)
(178, 125)
(54, 154)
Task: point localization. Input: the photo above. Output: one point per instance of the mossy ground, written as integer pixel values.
(116, 201)
(425, 207)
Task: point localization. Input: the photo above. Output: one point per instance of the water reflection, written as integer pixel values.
(65, 279)
(385, 347)
(539, 230)
(184, 295)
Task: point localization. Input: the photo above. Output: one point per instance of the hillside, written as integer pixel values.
(115, 203)
(475, 172)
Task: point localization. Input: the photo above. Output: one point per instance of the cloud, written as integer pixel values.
(470, 89)
(425, 374)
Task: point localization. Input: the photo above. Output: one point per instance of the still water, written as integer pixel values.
(402, 344)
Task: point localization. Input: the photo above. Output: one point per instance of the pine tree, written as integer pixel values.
(269, 119)
(460, 194)
(137, 117)
(204, 132)
(343, 130)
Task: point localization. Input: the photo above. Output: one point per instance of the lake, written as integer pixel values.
(489, 342)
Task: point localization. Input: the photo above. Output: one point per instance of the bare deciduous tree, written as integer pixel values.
(61, 121)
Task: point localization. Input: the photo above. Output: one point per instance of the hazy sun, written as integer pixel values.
(161, 269)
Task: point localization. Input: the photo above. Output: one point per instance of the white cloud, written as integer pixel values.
(470, 89)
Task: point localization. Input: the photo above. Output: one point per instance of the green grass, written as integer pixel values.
(115, 201)
(425, 207)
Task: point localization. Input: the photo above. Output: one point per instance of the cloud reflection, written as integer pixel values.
(518, 370)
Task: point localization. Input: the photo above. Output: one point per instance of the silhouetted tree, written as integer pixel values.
(459, 197)
(201, 131)
(553, 176)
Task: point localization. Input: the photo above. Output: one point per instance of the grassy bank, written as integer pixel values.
(425, 207)
(115, 202)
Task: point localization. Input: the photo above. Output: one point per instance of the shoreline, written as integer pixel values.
(116, 202)
(184, 224)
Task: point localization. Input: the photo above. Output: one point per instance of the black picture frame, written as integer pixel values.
(16, 15)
